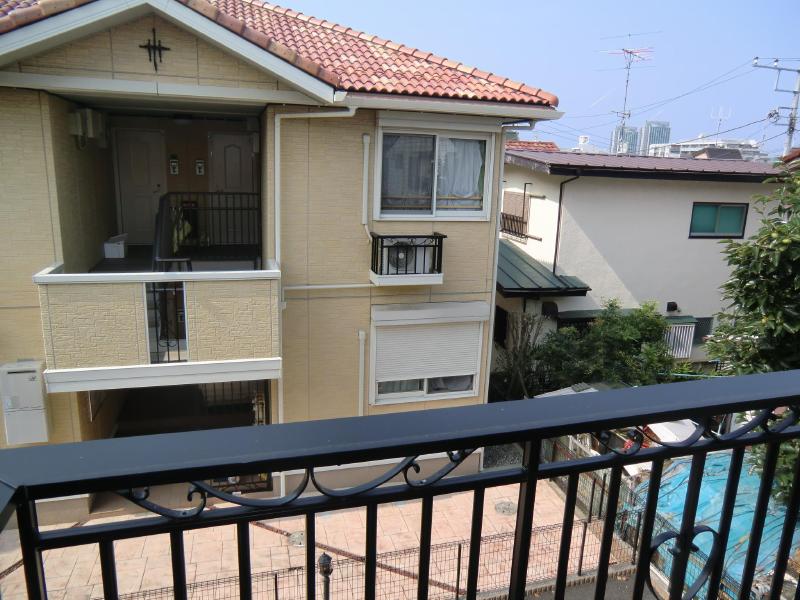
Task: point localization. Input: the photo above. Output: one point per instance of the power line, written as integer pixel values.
(792, 124)
(702, 137)
(700, 88)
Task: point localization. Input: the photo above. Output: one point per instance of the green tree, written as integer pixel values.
(517, 375)
(759, 330)
(620, 346)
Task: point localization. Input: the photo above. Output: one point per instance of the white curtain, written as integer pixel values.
(407, 172)
(459, 184)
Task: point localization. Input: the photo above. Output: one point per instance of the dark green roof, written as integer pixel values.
(520, 275)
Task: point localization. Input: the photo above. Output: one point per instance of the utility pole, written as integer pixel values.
(792, 124)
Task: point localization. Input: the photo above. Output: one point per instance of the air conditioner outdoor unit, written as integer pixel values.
(24, 411)
(402, 257)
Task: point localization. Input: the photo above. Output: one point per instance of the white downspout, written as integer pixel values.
(276, 157)
(362, 341)
(365, 187)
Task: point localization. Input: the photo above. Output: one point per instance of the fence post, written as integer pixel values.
(591, 497)
(636, 537)
(583, 547)
(325, 569)
(458, 571)
(602, 496)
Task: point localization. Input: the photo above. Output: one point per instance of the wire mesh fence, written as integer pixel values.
(397, 571)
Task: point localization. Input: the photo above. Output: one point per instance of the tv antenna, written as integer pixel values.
(631, 56)
(720, 116)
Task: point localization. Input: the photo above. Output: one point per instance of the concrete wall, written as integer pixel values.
(629, 238)
(233, 319)
(542, 209)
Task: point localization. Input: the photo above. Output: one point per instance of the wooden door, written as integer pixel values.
(141, 178)
(231, 160)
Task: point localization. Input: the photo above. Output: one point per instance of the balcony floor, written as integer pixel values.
(139, 259)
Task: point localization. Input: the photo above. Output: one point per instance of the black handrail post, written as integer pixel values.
(31, 554)
(325, 569)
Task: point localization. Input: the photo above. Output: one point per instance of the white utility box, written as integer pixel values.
(116, 246)
(24, 411)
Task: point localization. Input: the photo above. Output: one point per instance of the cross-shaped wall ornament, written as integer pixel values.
(154, 50)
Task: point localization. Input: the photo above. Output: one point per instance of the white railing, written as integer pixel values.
(679, 339)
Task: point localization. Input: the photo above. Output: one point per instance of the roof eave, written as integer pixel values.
(542, 166)
(658, 174)
(540, 292)
(382, 101)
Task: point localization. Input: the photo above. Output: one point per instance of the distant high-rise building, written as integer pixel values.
(653, 132)
(625, 140)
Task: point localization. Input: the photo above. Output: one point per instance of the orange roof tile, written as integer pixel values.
(347, 59)
(531, 145)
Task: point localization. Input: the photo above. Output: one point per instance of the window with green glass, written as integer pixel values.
(718, 220)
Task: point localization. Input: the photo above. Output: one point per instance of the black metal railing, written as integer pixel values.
(207, 226)
(407, 255)
(166, 321)
(514, 225)
(767, 405)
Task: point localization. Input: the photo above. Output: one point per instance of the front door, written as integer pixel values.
(231, 159)
(141, 174)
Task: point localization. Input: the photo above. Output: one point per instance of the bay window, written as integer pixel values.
(439, 175)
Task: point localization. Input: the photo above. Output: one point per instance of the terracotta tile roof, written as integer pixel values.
(562, 162)
(794, 154)
(347, 59)
(528, 145)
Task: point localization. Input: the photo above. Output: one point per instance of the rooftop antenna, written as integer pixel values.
(630, 55)
(719, 117)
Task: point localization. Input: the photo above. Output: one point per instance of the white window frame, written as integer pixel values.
(444, 215)
(421, 396)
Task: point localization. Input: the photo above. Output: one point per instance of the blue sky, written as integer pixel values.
(560, 46)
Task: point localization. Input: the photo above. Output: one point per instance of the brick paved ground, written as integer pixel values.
(144, 563)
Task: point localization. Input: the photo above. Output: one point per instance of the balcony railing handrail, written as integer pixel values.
(54, 275)
(57, 470)
(131, 465)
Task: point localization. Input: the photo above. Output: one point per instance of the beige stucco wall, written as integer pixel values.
(629, 238)
(30, 236)
(94, 325)
(324, 242)
(115, 54)
(233, 319)
(84, 188)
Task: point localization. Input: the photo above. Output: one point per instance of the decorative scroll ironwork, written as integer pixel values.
(705, 572)
(140, 496)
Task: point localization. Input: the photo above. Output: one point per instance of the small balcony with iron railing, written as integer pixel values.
(634, 514)
(201, 297)
(407, 259)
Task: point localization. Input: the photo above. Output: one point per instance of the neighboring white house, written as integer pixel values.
(581, 229)
(749, 149)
